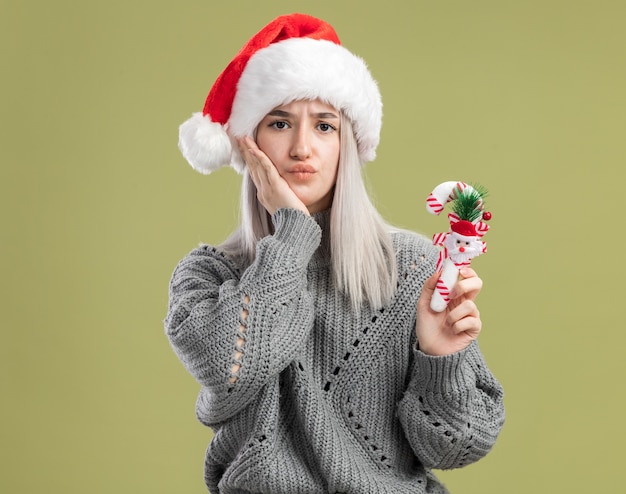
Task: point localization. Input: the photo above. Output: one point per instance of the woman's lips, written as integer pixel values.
(302, 172)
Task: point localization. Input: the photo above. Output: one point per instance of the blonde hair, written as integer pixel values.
(362, 255)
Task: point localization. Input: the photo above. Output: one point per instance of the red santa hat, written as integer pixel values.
(294, 57)
(464, 228)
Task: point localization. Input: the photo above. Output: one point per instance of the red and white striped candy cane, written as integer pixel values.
(435, 203)
(447, 279)
(443, 194)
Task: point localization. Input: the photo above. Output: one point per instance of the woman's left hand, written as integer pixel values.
(447, 332)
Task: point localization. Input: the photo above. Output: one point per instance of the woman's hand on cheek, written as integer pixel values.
(447, 332)
(273, 191)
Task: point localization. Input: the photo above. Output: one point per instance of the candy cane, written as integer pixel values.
(445, 283)
(438, 198)
(443, 194)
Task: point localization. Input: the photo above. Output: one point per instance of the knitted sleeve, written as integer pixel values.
(220, 319)
(452, 410)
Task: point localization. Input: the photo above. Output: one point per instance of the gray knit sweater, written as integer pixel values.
(327, 400)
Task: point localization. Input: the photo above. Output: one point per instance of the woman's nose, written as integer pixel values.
(301, 146)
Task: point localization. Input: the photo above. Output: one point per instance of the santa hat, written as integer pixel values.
(464, 228)
(294, 57)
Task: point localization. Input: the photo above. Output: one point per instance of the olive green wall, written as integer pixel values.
(97, 205)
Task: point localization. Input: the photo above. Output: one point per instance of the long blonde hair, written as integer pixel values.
(362, 255)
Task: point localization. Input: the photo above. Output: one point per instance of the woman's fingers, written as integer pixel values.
(247, 149)
(469, 286)
(261, 169)
(465, 317)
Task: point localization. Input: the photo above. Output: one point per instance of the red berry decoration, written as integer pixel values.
(486, 216)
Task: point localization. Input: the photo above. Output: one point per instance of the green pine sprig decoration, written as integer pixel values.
(467, 206)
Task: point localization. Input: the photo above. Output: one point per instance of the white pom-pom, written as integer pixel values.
(204, 144)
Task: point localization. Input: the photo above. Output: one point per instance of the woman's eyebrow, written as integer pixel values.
(279, 113)
(286, 114)
(325, 115)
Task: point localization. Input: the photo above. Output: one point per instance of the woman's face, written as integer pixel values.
(302, 140)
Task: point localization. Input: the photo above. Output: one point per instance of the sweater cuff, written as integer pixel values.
(297, 230)
(445, 374)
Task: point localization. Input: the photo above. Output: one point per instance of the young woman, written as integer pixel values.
(322, 367)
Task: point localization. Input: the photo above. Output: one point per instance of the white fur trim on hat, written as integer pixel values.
(305, 68)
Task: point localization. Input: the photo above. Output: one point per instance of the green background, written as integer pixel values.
(97, 204)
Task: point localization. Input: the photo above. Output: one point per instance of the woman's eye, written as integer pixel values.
(325, 127)
(279, 124)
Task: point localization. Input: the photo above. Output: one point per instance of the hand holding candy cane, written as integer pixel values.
(452, 330)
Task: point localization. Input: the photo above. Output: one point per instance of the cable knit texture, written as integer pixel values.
(323, 399)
